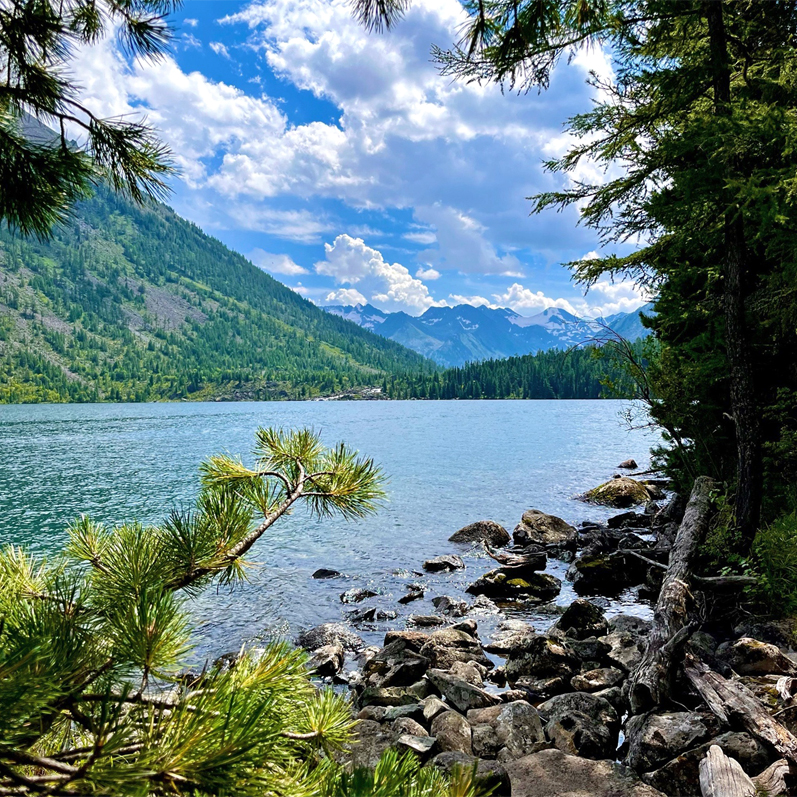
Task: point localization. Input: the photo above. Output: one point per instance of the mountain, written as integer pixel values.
(135, 303)
(452, 336)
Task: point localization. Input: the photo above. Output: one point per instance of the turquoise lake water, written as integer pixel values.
(448, 463)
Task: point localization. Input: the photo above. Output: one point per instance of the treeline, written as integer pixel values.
(585, 373)
(132, 303)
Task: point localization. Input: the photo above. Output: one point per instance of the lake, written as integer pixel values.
(449, 463)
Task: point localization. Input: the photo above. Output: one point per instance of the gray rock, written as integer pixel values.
(491, 772)
(749, 656)
(509, 635)
(450, 606)
(323, 572)
(552, 773)
(448, 645)
(483, 605)
(413, 594)
(327, 660)
(371, 739)
(518, 729)
(581, 724)
(469, 672)
(329, 634)
(542, 688)
(540, 656)
(592, 649)
(452, 732)
(616, 697)
(511, 583)
(432, 706)
(407, 725)
(596, 680)
(539, 528)
(375, 713)
(655, 739)
(412, 710)
(356, 594)
(582, 619)
(620, 492)
(598, 574)
(628, 464)
(484, 741)
(395, 665)
(447, 562)
(629, 623)
(482, 531)
(414, 640)
(678, 777)
(425, 620)
(626, 650)
(422, 746)
(388, 696)
(458, 692)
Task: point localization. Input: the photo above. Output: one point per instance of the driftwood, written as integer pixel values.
(651, 682)
(736, 705)
(773, 780)
(721, 776)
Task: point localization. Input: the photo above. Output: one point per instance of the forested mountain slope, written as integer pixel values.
(135, 303)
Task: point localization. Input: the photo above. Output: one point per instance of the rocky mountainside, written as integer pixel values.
(452, 336)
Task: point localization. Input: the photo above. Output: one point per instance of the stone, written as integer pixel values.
(620, 492)
(452, 732)
(458, 692)
(468, 672)
(387, 696)
(596, 680)
(371, 739)
(678, 777)
(327, 660)
(552, 773)
(329, 634)
(509, 634)
(628, 464)
(413, 594)
(629, 520)
(629, 623)
(482, 531)
(626, 650)
(407, 725)
(492, 772)
(323, 572)
(422, 746)
(425, 620)
(654, 739)
(356, 594)
(592, 650)
(749, 656)
(540, 656)
(483, 605)
(539, 528)
(582, 619)
(414, 640)
(505, 583)
(598, 574)
(445, 563)
(450, 606)
(395, 665)
(359, 616)
(432, 706)
(581, 724)
(616, 698)
(375, 713)
(449, 645)
(538, 689)
(484, 741)
(412, 710)
(518, 729)
(468, 626)
(777, 632)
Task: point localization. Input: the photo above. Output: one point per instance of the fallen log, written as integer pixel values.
(651, 683)
(721, 776)
(773, 780)
(736, 705)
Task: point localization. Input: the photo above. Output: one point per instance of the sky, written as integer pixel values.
(345, 165)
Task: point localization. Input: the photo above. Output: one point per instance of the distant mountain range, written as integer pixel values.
(452, 336)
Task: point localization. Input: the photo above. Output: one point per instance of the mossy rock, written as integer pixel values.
(620, 493)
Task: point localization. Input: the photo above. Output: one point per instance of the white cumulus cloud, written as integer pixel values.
(276, 264)
(427, 273)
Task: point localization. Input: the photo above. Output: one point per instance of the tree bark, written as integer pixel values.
(749, 479)
(651, 682)
(721, 776)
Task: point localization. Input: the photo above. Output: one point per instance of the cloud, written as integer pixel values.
(346, 297)
(389, 285)
(528, 302)
(424, 238)
(275, 264)
(192, 23)
(617, 297)
(301, 226)
(476, 301)
(220, 49)
(427, 274)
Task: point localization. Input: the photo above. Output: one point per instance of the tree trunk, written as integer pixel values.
(651, 682)
(735, 273)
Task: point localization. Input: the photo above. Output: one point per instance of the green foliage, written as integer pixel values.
(775, 557)
(43, 173)
(586, 373)
(133, 303)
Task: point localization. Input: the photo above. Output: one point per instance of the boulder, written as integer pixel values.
(414, 640)
(356, 594)
(329, 634)
(596, 680)
(395, 665)
(749, 656)
(425, 620)
(582, 724)
(482, 531)
(484, 740)
(629, 520)
(432, 706)
(552, 773)
(539, 528)
(678, 777)
(620, 492)
(323, 572)
(536, 689)
(540, 656)
(616, 697)
(445, 563)
(413, 711)
(407, 725)
(654, 739)
(777, 632)
(491, 772)
(508, 583)
(448, 645)
(327, 660)
(414, 593)
(599, 574)
(450, 606)
(509, 635)
(452, 732)
(626, 650)
(518, 729)
(628, 464)
(375, 713)
(582, 619)
(371, 739)
(469, 672)
(388, 696)
(458, 692)
(629, 623)
(422, 746)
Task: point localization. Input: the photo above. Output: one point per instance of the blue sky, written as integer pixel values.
(345, 165)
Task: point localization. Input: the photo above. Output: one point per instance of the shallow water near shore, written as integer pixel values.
(448, 464)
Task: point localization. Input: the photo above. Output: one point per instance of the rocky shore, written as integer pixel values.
(546, 711)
